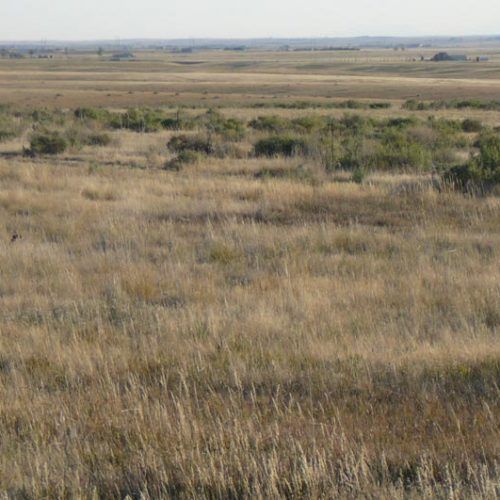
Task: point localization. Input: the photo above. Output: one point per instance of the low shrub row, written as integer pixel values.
(414, 105)
(52, 142)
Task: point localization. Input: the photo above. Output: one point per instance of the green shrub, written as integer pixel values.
(178, 122)
(358, 175)
(197, 143)
(138, 120)
(481, 173)
(469, 125)
(489, 151)
(76, 136)
(230, 129)
(352, 157)
(472, 178)
(414, 105)
(171, 124)
(48, 143)
(44, 116)
(91, 114)
(398, 151)
(380, 105)
(355, 124)
(401, 122)
(329, 150)
(352, 104)
(280, 145)
(79, 136)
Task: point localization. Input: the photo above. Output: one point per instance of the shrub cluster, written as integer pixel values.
(52, 142)
(355, 142)
(230, 129)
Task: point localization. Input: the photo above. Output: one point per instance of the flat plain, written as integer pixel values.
(243, 325)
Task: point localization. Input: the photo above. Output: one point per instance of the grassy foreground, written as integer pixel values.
(208, 333)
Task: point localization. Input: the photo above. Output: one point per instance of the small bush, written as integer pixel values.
(401, 122)
(138, 120)
(177, 122)
(358, 175)
(48, 143)
(472, 178)
(380, 105)
(489, 152)
(230, 129)
(280, 146)
(352, 104)
(355, 124)
(182, 143)
(77, 137)
(91, 114)
(482, 173)
(171, 124)
(399, 151)
(414, 105)
(469, 125)
(46, 117)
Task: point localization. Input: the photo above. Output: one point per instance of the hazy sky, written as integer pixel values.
(111, 19)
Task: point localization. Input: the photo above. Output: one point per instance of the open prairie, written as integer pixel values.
(249, 275)
(226, 78)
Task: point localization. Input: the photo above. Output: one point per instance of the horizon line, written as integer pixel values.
(246, 38)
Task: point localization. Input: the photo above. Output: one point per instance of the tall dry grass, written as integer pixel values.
(210, 334)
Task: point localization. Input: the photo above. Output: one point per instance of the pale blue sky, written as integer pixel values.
(110, 19)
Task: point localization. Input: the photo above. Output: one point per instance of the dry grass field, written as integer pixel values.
(234, 79)
(244, 327)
